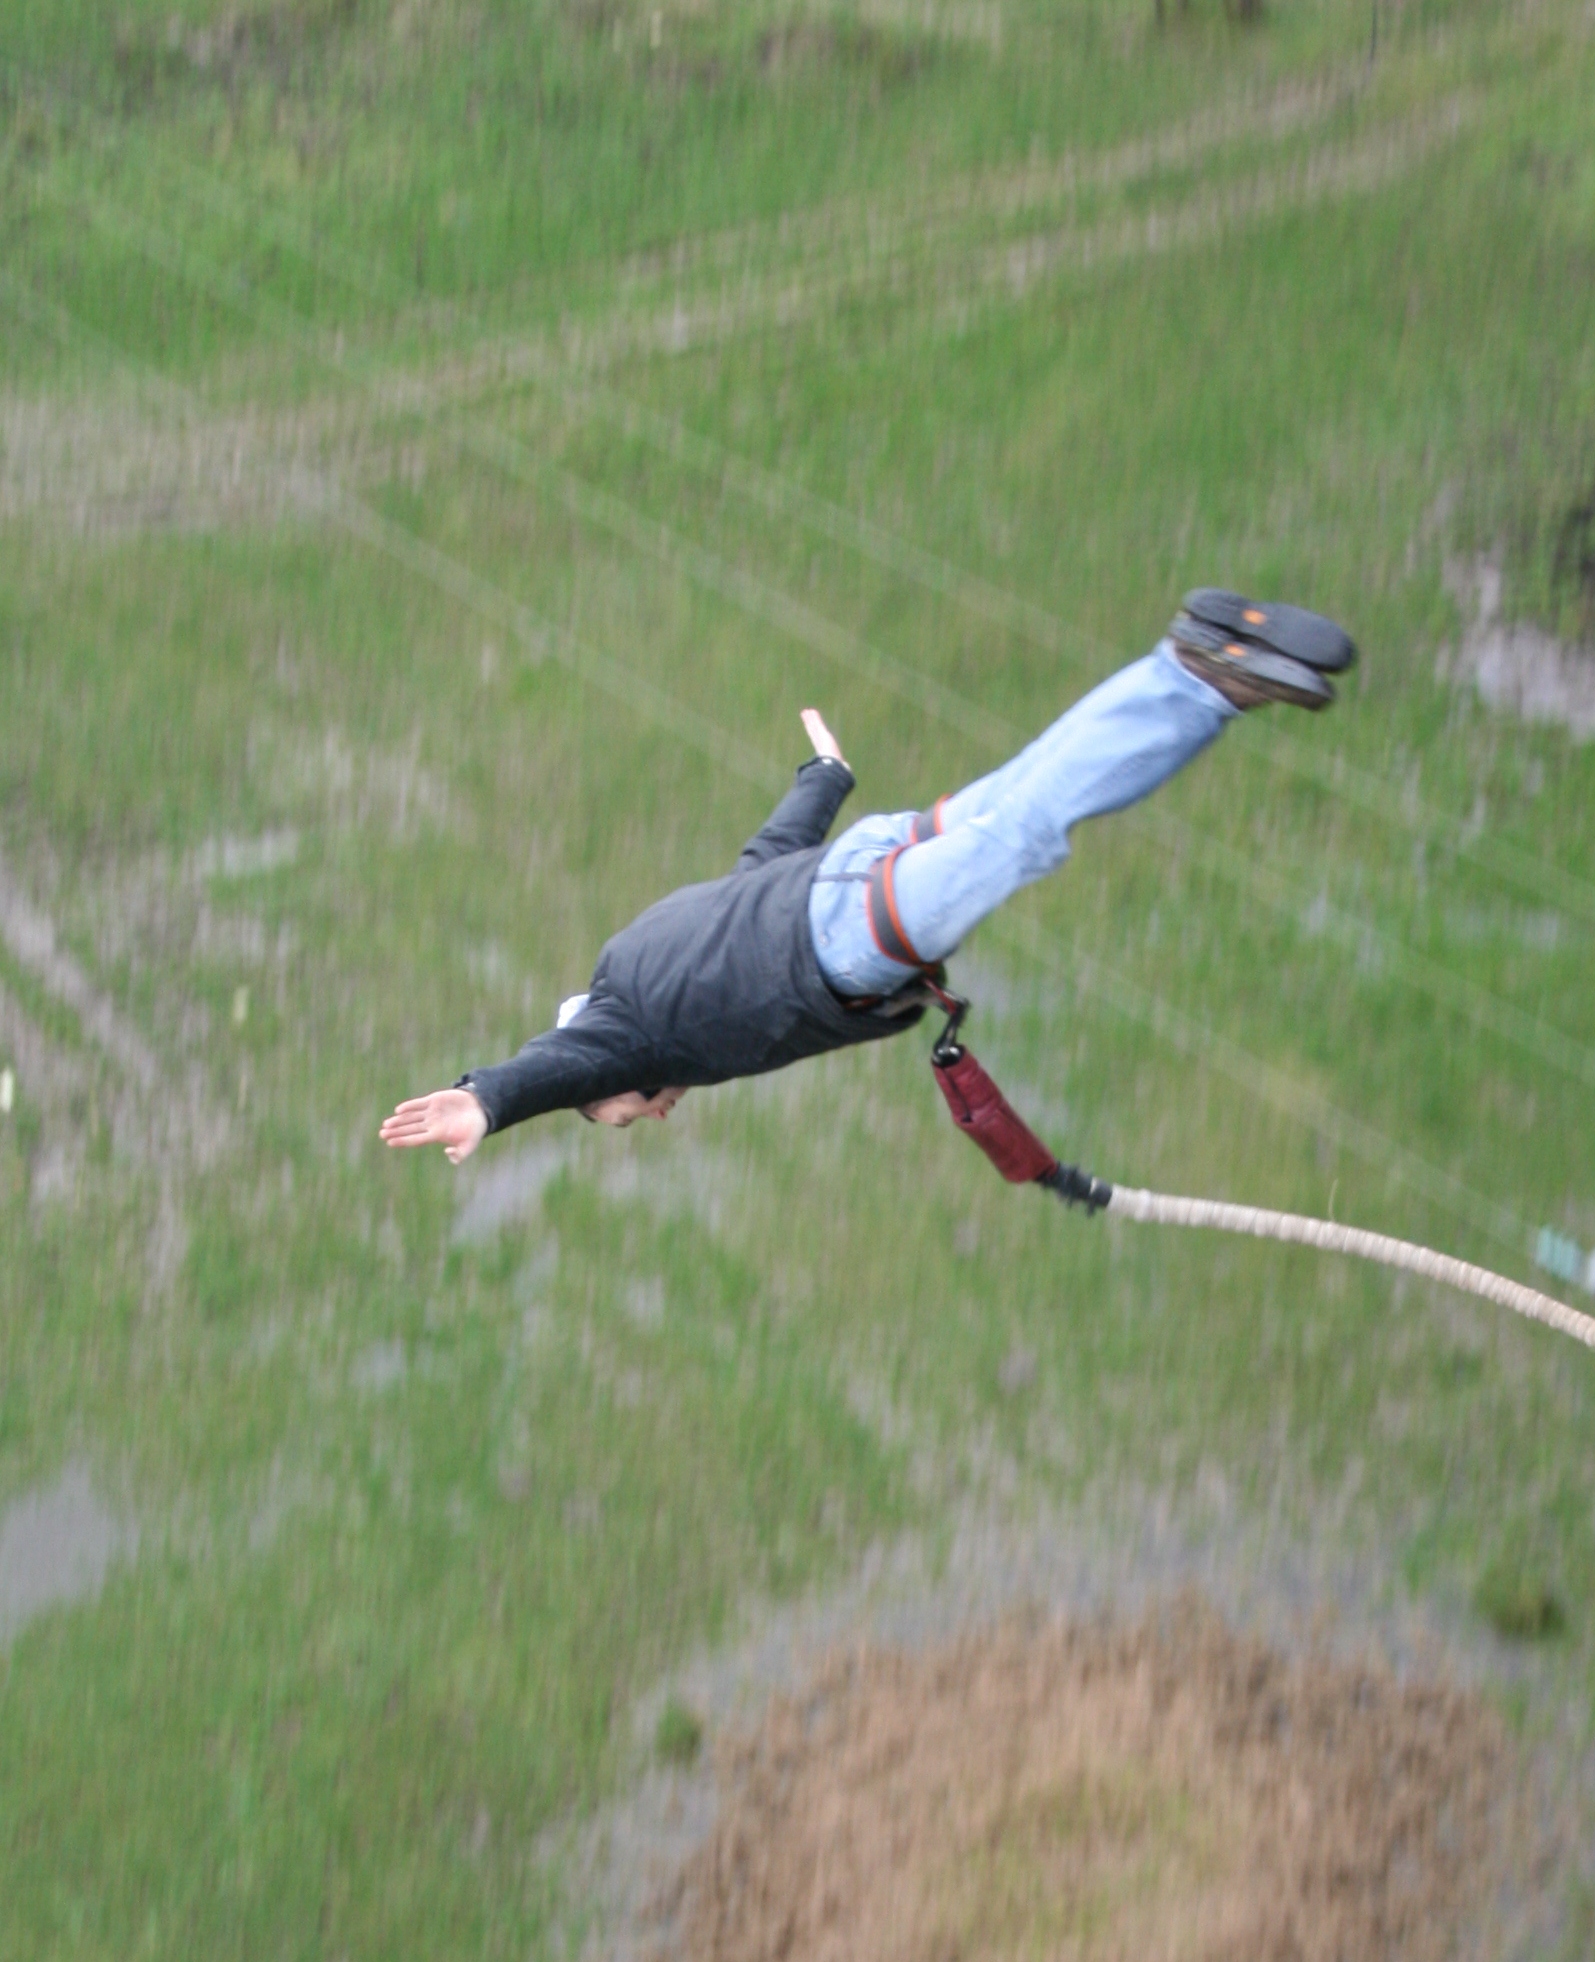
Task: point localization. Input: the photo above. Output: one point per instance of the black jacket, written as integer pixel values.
(718, 980)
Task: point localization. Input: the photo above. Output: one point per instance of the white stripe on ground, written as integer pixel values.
(872, 222)
(31, 938)
(1342, 171)
(874, 226)
(950, 279)
(955, 283)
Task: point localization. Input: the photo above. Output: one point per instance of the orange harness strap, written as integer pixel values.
(927, 824)
(886, 923)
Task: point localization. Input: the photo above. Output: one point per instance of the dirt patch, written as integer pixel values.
(1065, 1789)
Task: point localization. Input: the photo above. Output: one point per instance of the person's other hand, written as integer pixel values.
(451, 1118)
(632, 1104)
(825, 744)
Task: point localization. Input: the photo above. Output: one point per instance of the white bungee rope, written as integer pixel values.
(1164, 1209)
(987, 1119)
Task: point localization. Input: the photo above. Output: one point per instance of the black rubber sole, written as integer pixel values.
(1220, 659)
(1288, 630)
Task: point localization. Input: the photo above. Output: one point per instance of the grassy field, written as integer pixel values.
(441, 448)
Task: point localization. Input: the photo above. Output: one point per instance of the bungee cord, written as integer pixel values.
(1329, 1236)
(985, 1116)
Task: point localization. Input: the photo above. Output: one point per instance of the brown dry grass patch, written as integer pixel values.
(1053, 1790)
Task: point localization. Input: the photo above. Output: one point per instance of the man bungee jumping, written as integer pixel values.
(803, 948)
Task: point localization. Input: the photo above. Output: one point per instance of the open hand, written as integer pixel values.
(825, 744)
(451, 1118)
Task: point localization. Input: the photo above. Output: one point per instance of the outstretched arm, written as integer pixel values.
(599, 1055)
(804, 814)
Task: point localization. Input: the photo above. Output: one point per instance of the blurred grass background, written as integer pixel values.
(441, 448)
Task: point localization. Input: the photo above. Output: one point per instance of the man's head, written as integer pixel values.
(632, 1104)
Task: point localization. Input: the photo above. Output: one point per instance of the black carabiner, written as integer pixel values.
(948, 1049)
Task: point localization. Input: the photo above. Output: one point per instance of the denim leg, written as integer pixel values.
(843, 943)
(1111, 748)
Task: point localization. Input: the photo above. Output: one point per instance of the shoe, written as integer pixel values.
(1247, 677)
(1288, 630)
(1254, 653)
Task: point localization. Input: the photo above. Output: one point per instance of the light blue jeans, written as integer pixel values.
(1113, 747)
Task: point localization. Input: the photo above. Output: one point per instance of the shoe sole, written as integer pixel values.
(1288, 630)
(1279, 677)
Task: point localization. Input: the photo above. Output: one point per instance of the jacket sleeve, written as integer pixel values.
(803, 815)
(600, 1054)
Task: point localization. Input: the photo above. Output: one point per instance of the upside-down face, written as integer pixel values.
(632, 1104)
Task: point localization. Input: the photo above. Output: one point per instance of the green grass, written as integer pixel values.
(678, 1736)
(421, 1511)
